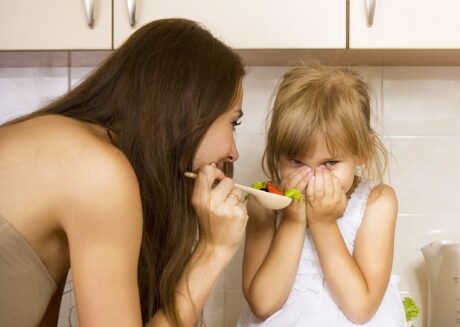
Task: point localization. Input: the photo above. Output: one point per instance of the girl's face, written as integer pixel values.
(218, 145)
(341, 165)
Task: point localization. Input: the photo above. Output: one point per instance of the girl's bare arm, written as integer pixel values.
(358, 282)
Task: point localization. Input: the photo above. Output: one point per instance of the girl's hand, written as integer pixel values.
(326, 200)
(297, 210)
(222, 217)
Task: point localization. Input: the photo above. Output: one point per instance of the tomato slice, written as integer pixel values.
(273, 189)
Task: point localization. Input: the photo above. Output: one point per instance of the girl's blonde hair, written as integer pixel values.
(315, 101)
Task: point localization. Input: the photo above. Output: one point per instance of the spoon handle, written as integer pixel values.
(246, 189)
(241, 187)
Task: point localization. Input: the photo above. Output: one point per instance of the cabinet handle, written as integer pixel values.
(370, 8)
(131, 11)
(89, 8)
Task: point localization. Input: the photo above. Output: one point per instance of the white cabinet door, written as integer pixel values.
(54, 25)
(405, 24)
(248, 24)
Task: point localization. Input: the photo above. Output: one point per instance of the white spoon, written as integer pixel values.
(268, 200)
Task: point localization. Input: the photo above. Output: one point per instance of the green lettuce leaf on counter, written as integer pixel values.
(411, 308)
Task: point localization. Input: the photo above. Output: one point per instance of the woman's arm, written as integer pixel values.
(222, 220)
(203, 272)
(272, 255)
(358, 283)
(102, 218)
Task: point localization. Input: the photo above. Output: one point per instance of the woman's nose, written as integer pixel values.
(233, 155)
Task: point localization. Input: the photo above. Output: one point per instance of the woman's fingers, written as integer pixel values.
(213, 182)
(222, 190)
(221, 214)
(235, 196)
(219, 187)
(206, 177)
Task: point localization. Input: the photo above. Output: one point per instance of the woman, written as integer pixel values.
(95, 182)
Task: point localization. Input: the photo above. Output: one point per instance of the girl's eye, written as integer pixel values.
(330, 164)
(235, 123)
(295, 162)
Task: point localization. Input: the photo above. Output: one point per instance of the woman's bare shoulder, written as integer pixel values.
(73, 164)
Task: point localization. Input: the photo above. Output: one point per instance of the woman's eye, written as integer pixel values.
(235, 123)
(330, 164)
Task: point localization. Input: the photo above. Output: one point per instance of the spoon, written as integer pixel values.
(269, 200)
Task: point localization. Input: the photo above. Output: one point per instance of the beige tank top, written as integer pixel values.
(26, 287)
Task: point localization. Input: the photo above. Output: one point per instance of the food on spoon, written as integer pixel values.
(273, 189)
(292, 193)
(260, 186)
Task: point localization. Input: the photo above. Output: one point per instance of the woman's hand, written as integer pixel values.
(298, 179)
(326, 200)
(221, 214)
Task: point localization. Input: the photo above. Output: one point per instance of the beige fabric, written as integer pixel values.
(26, 287)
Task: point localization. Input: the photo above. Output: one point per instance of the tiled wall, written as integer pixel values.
(419, 110)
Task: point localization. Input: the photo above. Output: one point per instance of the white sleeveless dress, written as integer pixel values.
(310, 303)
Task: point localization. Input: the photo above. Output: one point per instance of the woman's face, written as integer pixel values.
(218, 144)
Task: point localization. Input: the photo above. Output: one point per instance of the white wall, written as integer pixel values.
(419, 108)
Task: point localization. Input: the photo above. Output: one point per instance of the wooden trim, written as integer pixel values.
(353, 57)
(257, 57)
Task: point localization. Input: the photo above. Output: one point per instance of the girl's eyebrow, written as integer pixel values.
(334, 158)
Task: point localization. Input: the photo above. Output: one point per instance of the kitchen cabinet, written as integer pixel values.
(55, 24)
(404, 24)
(255, 24)
(264, 32)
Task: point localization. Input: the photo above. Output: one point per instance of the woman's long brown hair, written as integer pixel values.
(157, 95)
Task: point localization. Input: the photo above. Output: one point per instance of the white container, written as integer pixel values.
(443, 266)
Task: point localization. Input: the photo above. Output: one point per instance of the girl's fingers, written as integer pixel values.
(302, 182)
(319, 184)
(338, 192)
(328, 185)
(311, 187)
(295, 179)
(343, 199)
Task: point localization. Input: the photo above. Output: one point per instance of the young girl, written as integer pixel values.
(325, 260)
